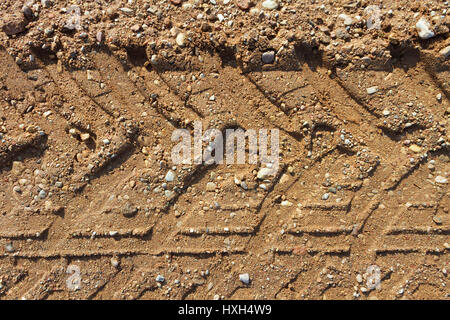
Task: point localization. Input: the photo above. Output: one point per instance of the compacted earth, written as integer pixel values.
(93, 207)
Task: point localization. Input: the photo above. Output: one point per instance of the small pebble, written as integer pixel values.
(268, 57)
(372, 90)
(9, 247)
(244, 278)
(270, 4)
(181, 39)
(114, 262)
(326, 196)
(441, 179)
(445, 52)
(423, 28)
(42, 194)
(359, 278)
(170, 176)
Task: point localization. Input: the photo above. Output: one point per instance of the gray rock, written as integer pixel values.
(47, 3)
(268, 57)
(42, 194)
(27, 12)
(160, 278)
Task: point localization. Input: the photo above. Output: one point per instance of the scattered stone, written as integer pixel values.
(13, 24)
(128, 210)
(445, 52)
(347, 19)
(42, 194)
(270, 4)
(372, 90)
(286, 203)
(268, 57)
(17, 167)
(437, 220)
(244, 278)
(160, 279)
(243, 4)
(90, 75)
(210, 187)
(423, 28)
(115, 262)
(170, 176)
(325, 196)
(47, 3)
(359, 278)
(264, 173)
(85, 136)
(181, 39)
(441, 179)
(9, 247)
(135, 28)
(127, 11)
(415, 148)
(27, 12)
(99, 36)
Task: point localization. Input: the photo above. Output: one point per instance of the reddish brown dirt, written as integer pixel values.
(86, 122)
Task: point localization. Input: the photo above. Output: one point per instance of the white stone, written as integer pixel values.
(244, 278)
(264, 173)
(347, 20)
(211, 186)
(286, 203)
(445, 52)
(170, 176)
(359, 278)
(181, 39)
(441, 179)
(423, 28)
(270, 4)
(372, 90)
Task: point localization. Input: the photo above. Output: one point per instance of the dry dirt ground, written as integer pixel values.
(87, 114)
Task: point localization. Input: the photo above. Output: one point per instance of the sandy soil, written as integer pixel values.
(88, 105)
